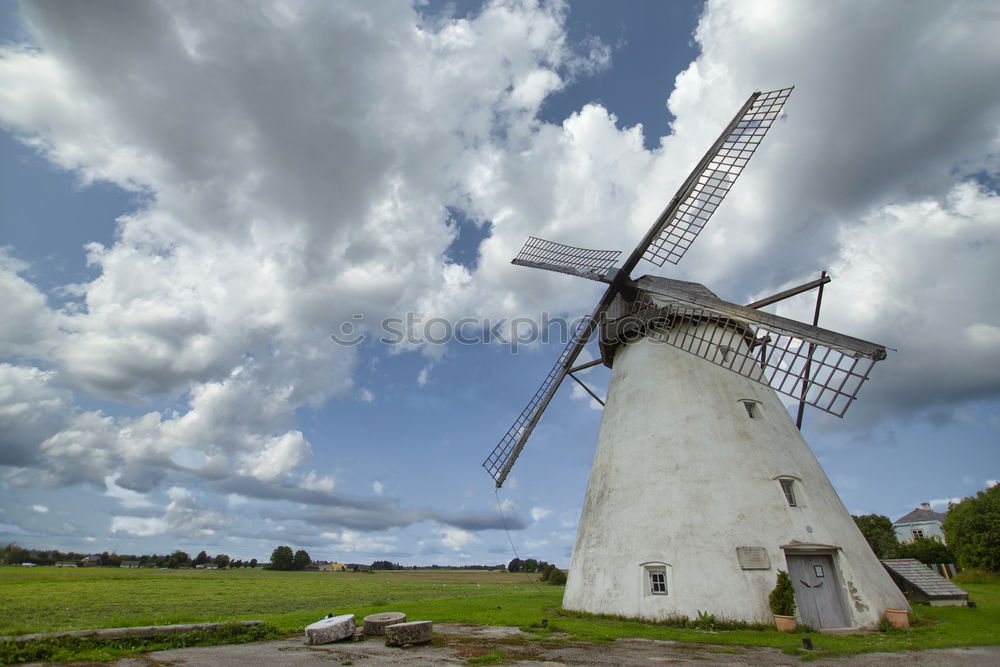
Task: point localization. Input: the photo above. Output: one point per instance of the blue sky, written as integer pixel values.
(195, 197)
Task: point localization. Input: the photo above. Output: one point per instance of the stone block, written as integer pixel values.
(331, 629)
(375, 623)
(415, 632)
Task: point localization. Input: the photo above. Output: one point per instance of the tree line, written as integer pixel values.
(12, 554)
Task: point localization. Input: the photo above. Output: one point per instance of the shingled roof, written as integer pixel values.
(920, 515)
(924, 584)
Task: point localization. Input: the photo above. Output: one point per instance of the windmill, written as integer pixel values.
(702, 487)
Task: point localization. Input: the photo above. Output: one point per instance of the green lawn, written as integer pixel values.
(48, 599)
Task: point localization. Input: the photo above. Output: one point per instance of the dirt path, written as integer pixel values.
(456, 644)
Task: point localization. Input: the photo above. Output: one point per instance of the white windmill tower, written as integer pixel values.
(701, 486)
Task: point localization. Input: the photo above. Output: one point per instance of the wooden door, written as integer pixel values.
(817, 591)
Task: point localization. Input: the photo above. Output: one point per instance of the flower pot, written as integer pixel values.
(898, 618)
(785, 623)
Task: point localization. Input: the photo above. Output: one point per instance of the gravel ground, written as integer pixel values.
(455, 644)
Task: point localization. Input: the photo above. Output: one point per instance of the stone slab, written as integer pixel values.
(375, 624)
(414, 632)
(331, 629)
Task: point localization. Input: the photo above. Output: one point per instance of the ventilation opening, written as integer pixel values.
(752, 408)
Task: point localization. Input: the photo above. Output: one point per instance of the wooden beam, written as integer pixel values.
(781, 296)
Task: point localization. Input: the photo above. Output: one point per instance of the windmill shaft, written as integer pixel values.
(500, 461)
(668, 213)
(559, 268)
(812, 350)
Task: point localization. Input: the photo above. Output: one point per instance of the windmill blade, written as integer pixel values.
(766, 348)
(581, 262)
(700, 195)
(500, 461)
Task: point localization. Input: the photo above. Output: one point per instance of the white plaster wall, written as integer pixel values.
(683, 476)
(904, 532)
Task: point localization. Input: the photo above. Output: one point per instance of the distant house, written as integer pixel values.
(91, 561)
(325, 566)
(319, 566)
(65, 563)
(131, 564)
(921, 522)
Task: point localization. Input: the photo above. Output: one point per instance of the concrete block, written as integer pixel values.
(374, 624)
(415, 632)
(332, 629)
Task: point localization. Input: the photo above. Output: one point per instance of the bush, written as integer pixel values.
(557, 577)
(782, 598)
(926, 550)
(972, 529)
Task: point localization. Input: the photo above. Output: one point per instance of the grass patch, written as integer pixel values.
(47, 599)
(95, 649)
(494, 657)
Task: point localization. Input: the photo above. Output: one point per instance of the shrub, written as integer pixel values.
(557, 577)
(782, 598)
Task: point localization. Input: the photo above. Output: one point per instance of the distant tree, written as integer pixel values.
(300, 560)
(14, 555)
(386, 565)
(253, 562)
(515, 565)
(530, 565)
(926, 550)
(282, 558)
(202, 558)
(222, 560)
(972, 528)
(880, 534)
(178, 559)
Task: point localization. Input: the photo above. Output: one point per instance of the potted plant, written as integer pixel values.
(782, 603)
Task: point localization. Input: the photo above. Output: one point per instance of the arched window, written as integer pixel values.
(656, 579)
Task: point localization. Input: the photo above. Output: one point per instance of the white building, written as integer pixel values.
(701, 490)
(921, 522)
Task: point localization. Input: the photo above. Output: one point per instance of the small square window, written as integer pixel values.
(818, 571)
(788, 487)
(658, 582)
(917, 534)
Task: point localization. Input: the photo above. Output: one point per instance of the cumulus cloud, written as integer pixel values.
(456, 538)
(286, 185)
(539, 513)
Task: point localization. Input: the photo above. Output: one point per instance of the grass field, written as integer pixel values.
(50, 599)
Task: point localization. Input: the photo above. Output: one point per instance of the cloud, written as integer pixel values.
(41, 509)
(284, 186)
(539, 513)
(456, 538)
(138, 526)
(377, 487)
(129, 499)
(330, 510)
